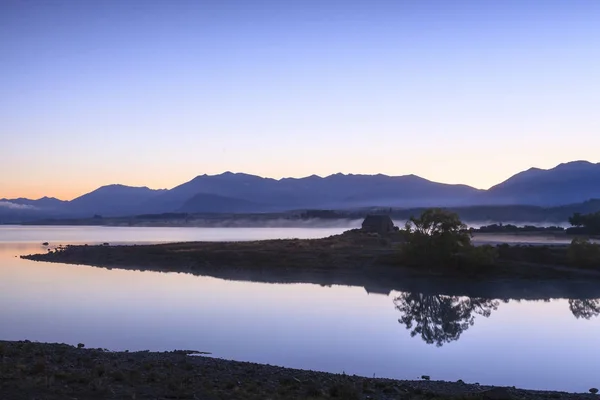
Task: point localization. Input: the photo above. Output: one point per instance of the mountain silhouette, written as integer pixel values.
(334, 191)
(243, 187)
(567, 183)
(113, 200)
(44, 202)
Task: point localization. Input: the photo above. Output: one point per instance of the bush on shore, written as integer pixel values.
(583, 253)
(438, 238)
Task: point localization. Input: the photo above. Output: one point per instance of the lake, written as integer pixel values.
(551, 344)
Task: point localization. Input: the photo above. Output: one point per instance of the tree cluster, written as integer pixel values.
(441, 319)
(509, 228)
(438, 238)
(583, 253)
(585, 223)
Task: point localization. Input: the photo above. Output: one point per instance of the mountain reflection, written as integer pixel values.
(587, 308)
(441, 319)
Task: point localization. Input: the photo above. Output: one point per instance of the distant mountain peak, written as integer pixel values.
(570, 182)
(46, 198)
(119, 187)
(575, 164)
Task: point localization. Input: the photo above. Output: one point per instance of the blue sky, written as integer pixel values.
(154, 93)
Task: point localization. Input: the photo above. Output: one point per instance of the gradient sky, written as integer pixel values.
(153, 93)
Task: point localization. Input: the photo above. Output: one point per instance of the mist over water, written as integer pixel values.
(114, 235)
(277, 229)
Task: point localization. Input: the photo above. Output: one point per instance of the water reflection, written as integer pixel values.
(441, 319)
(586, 309)
(437, 318)
(333, 328)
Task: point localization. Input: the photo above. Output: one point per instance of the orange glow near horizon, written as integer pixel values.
(67, 182)
(72, 183)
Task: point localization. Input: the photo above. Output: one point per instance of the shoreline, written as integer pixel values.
(354, 254)
(57, 371)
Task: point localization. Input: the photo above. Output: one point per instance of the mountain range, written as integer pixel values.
(566, 183)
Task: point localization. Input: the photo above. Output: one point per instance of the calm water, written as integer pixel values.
(529, 344)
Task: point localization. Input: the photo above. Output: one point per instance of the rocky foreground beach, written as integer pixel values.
(30, 370)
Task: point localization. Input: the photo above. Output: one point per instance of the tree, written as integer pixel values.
(576, 219)
(436, 236)
(583, 253)
(436, 222)
(441, 319)
(586, 223)
(586, 309)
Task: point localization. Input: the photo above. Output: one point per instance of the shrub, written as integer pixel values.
(485, 255)
(439, 238)
(583, 253)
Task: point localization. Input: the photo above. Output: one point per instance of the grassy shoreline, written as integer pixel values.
(58, 371)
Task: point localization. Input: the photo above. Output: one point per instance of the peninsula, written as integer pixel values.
(435, 244)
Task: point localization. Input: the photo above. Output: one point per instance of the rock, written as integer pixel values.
(45, 244)
(460, 381)
(498, 393)
(426, 377)
(593, 390)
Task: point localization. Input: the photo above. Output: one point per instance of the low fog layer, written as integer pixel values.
(319, 223)
(15, 206)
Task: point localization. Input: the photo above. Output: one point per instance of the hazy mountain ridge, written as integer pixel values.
(229, 192)
(45, 202)
(113, 200)
(564, 184)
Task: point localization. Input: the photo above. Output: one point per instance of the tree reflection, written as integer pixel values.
(441, 319)
(587, 308)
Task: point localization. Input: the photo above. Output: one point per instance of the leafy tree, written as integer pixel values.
(576, 219)
(437, 222)
(586, 223)
(438, 237)
(586, 309)
(583, 253)
(441, 319)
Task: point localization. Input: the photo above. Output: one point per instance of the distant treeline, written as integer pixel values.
(509, 228)
(497, 214)
(584, 224)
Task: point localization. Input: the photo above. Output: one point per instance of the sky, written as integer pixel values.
(152, 93)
